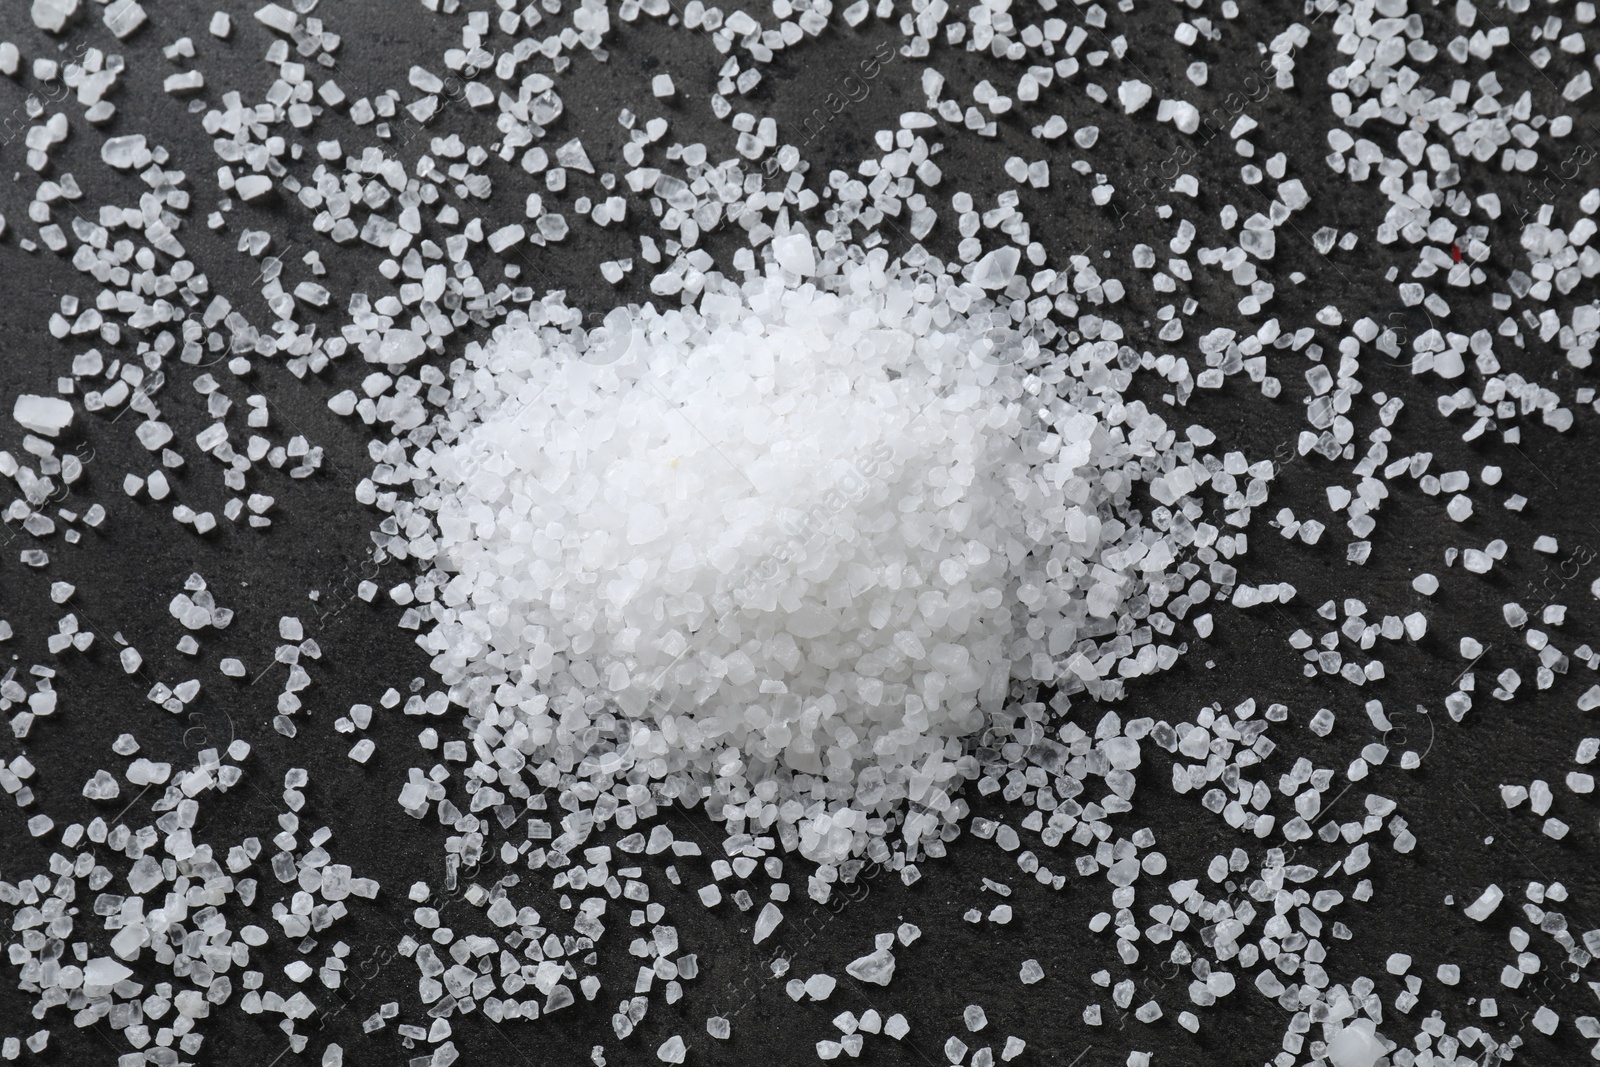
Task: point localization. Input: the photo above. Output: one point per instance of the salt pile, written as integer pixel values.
(787, 550)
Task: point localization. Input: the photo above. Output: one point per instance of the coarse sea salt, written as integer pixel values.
(808, 533)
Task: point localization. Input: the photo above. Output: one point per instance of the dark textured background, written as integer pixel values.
(128, 570)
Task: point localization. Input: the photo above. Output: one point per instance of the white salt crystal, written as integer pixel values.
(820, 986)
(794, 253)
(52, 15)
(767, 922)
(103, 972)
(996, 269)
(876, 968)
(1486, 903)
(45, 415)
(123, 17)
(125, 152)
(1133, 95)
(1355, 1045)
(277, 18)
(253, 186)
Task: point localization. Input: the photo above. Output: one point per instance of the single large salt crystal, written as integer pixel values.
(253, 186)
(875, 967)
(104, 972)
(277, 17)
(125, 152)
(794, 253)
(1356, 1045)
(52, 15)
(767, 921)
(47, 415)
(1133, 95)
(996, 269)
(399, 346)
(1486, 903)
